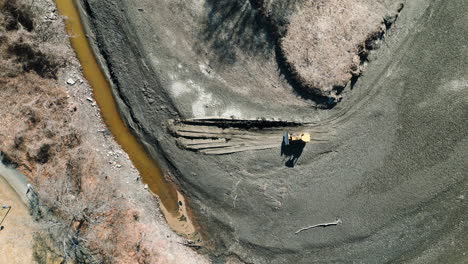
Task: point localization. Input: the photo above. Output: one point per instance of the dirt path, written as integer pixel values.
(16, 239)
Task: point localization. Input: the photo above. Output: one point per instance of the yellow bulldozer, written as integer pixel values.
(292, 138)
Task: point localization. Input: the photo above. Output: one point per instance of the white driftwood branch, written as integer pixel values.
(334, 223)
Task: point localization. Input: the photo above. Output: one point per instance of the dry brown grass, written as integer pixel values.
(38, 133)
(325, 38)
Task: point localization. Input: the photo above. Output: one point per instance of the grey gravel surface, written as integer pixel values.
(394, 173)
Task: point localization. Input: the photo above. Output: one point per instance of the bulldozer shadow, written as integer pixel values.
(292, 152)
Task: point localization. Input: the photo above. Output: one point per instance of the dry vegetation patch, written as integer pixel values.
(16, 14)
(327, 41)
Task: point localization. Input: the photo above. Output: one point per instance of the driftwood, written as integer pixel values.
(334, 223)
(191, 244)
(225, 136)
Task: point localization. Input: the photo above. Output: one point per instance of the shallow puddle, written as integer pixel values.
(175, 215)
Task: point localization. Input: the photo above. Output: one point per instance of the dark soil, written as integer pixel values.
(31, 59)
(18, 15)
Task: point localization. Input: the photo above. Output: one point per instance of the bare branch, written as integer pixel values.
(334, 223)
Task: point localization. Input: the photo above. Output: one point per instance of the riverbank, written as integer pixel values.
(96, 206)
(173, 204)
(393, 173)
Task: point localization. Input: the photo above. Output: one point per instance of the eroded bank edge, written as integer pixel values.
(132, 123)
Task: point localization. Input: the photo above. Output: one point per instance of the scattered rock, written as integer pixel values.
(70, 81)
(52, 16)
(73, 108)
(146, 187)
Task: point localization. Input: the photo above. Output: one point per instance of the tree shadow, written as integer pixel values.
(292, 152)
(249, 27)
(232, 25)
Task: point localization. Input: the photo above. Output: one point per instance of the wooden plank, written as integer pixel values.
(230, 150)
(189, 142)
